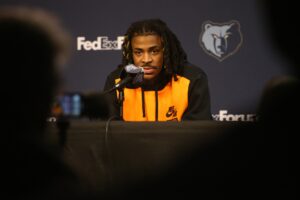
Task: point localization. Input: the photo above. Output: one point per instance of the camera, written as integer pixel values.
(78, 105)
(68, 105)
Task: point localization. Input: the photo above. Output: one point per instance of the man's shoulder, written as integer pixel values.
(115, 73)
(192, 71)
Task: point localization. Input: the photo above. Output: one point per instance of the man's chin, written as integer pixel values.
(149, 77)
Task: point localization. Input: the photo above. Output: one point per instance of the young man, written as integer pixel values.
(172, 89)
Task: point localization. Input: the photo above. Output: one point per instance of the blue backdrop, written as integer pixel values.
(236, 78)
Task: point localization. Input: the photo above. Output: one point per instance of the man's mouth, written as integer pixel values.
(150, 67)
(148, 70)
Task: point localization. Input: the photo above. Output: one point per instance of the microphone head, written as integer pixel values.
(137, 73)
(132, 69)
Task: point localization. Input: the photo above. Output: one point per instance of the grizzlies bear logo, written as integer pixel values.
(221, 40)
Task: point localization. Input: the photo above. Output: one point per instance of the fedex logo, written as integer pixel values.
(101, 43)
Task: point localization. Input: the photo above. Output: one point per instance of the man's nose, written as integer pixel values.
(146, 58)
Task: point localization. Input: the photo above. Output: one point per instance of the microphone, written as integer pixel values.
(134, 74)
(123, 82)
(132, 69)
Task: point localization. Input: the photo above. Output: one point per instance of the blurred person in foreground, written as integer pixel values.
(34, 45)
(280, 101)
(170, 88)
(279, 107)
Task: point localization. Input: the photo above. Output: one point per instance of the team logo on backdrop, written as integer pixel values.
(221, 40)
(100, 43)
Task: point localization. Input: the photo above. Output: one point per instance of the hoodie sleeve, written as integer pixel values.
(114, 107)
(199, 100)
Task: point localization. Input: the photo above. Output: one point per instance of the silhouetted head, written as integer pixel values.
(280, 101)
(33, 46)
(281, 19)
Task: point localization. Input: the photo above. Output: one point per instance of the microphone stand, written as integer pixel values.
(136, 77)
(120, 102)
(120, 89)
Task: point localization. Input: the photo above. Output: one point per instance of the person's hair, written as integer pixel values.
(174, 55)
(43, 21)
(33, 45)
(280, 20)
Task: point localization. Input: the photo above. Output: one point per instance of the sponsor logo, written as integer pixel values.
(101, 43)
(221, 40)
(172, 112)
(224, 116)
(174, 120)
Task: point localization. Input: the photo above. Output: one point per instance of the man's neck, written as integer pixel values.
(156, 83)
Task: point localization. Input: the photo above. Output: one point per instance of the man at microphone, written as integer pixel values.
(155, 82)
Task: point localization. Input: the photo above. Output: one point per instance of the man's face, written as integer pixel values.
(148, 53)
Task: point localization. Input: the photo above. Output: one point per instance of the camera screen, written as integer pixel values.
(68, 105)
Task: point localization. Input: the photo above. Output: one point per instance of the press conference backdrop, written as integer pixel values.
(236, 75)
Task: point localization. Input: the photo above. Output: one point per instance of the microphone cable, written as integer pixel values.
(108, 150)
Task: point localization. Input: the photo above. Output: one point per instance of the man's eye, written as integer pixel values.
(155, 51)
(137, 53)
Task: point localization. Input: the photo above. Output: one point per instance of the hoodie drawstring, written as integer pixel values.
(156, 105)
(143, 103)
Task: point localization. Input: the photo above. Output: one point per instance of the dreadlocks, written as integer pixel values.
(174, 55)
